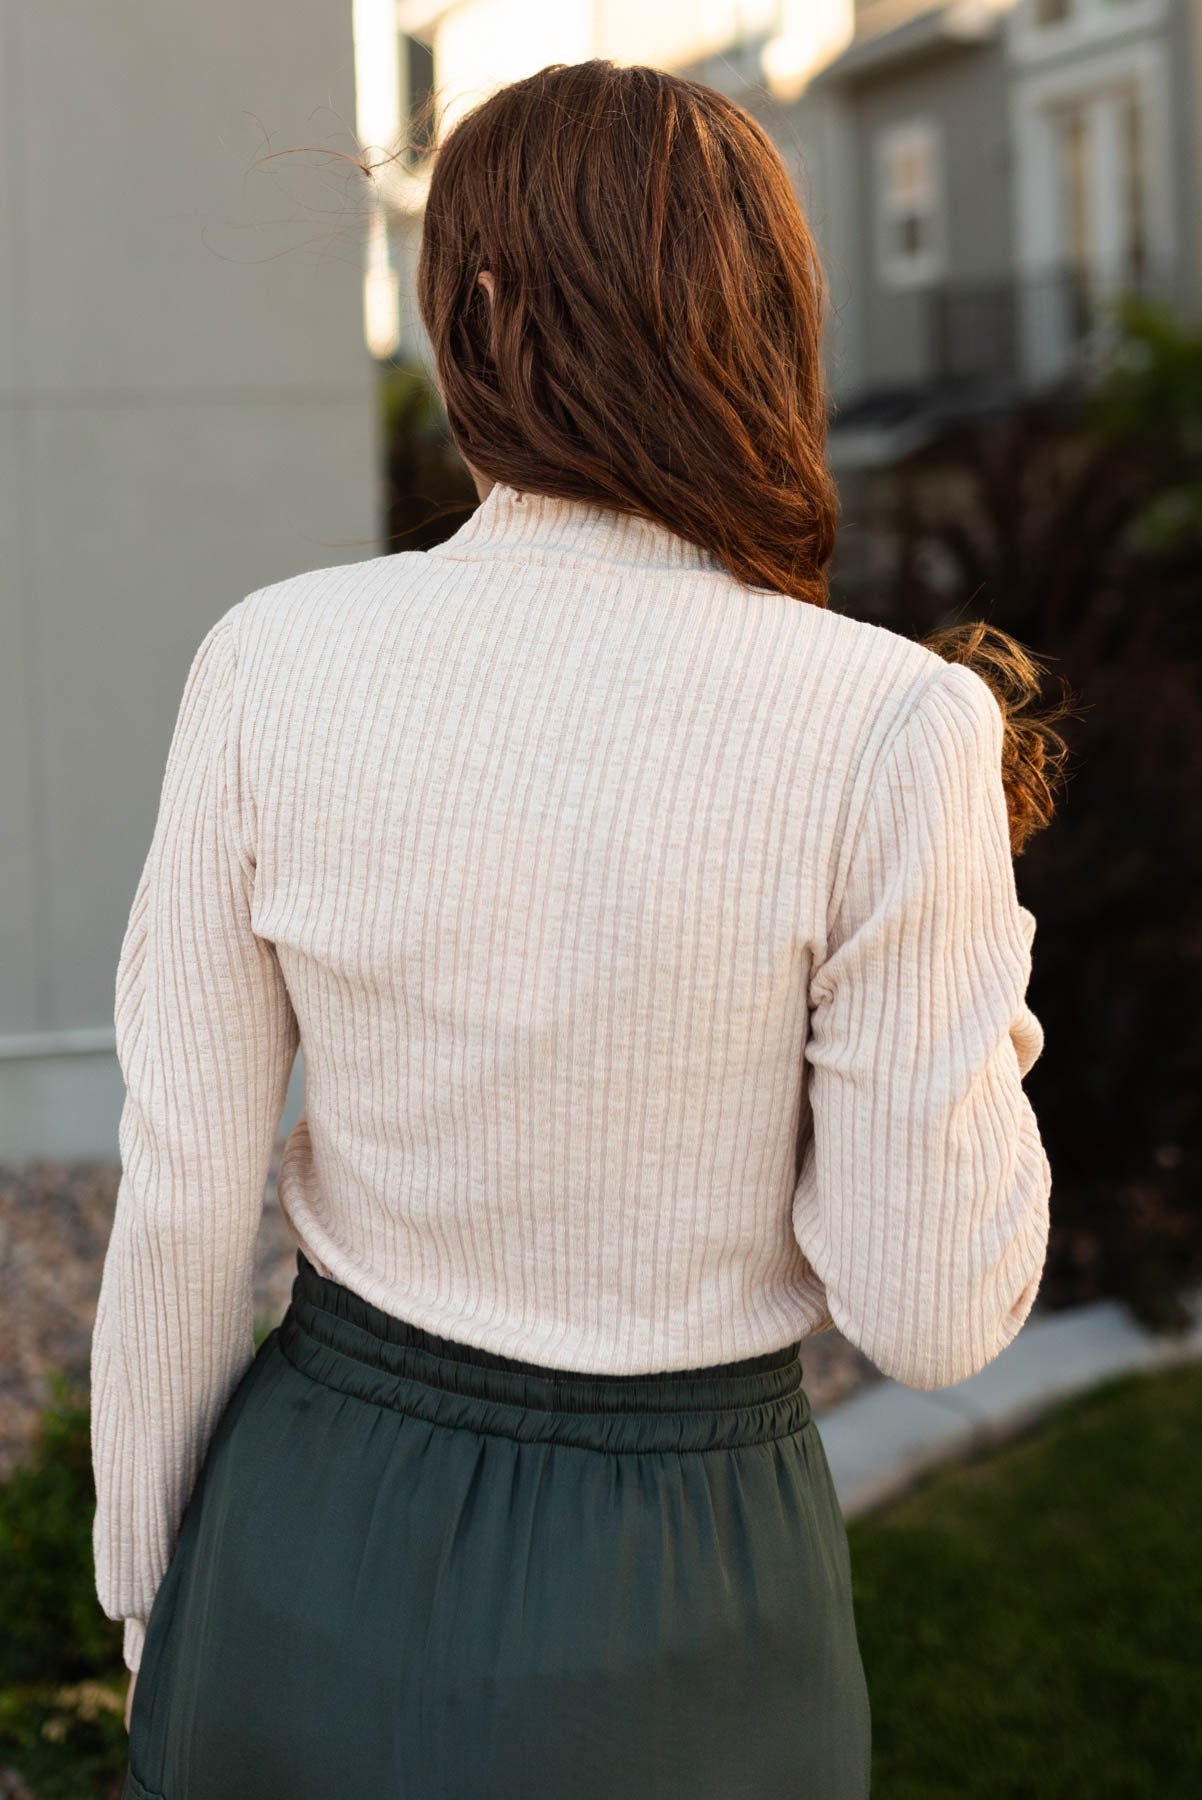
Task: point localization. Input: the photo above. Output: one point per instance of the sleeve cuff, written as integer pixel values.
(135, 1635)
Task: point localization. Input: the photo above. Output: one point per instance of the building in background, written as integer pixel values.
(186, 414)
(1106, 191)
(983, 176)
(1013, 168)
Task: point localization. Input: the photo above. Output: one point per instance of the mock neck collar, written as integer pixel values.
(536, 527)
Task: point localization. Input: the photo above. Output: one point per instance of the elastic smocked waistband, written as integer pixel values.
(343, 1341)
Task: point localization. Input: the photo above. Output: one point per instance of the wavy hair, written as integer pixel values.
(653, 339)
(1034, 753)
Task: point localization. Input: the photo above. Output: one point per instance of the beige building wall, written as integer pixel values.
(186, 414)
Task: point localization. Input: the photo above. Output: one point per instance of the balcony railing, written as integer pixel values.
(1028, 333)
(965, 348)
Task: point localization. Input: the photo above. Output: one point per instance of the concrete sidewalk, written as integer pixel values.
(878, 1441)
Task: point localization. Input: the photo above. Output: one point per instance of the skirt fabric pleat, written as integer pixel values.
(413, 1569)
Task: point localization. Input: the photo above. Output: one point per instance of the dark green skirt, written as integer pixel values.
(413, 1570)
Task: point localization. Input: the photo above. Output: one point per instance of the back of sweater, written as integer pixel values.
(654, 948)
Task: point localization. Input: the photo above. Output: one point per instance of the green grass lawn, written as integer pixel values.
(1031, 1623)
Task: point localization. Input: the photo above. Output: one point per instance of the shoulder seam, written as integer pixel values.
(899, 729)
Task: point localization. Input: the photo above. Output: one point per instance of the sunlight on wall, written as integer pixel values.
(812, 33)
(377, 123)
(481, 44)
(377, 73)
(671, 33)
(381, 290)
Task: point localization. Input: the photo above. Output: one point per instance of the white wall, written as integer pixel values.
(185, 415)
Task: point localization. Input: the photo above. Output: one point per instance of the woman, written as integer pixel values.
(651, 934)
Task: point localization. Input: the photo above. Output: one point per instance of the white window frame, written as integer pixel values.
(1143, 66)
(1089, 23)
(903, 270)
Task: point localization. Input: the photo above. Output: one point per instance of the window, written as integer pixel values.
(910, 204)
(1076, 210)
(1103, 184)
(1133, 140)
(1093, 142)
(1041, 28)
(1070, 290)
(417, 98)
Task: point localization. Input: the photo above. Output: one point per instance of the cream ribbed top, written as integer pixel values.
(654, 947)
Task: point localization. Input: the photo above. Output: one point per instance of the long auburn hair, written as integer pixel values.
(652, 341)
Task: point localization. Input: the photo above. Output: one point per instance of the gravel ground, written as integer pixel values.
(55, 1220)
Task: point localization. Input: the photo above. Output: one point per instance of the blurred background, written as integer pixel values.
(212, 376)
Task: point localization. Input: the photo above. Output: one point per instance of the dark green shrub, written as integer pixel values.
(51, 1626)
(428, 492)
(67, 1742)
(1077, 527)
(63, 1682)
(62, 1679)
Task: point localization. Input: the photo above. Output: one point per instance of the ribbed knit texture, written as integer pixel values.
(655, 950)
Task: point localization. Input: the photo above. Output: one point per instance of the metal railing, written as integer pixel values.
(1029, 332)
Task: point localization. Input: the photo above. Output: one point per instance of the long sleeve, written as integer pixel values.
(206, 1038)
(922, 1202)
